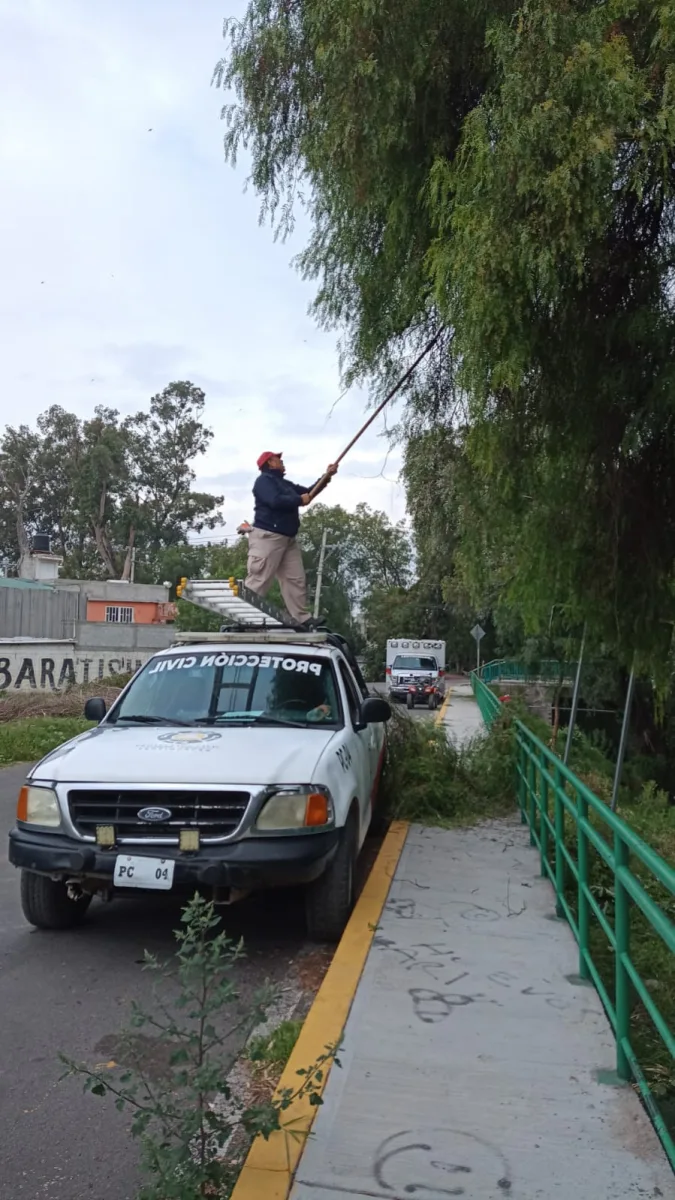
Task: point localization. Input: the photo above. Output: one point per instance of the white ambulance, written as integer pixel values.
(415, 670)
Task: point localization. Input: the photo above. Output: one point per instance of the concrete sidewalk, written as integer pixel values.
(460, 715)
(474, 1063)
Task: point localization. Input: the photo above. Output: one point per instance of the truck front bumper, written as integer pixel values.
(249, 865)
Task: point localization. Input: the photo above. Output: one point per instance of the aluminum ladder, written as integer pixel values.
(236, 604)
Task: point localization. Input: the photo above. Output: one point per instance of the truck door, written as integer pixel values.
(361, 745)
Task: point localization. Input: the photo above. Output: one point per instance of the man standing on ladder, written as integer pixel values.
(273, 552)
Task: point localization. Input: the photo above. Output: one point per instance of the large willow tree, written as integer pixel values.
(506, 173)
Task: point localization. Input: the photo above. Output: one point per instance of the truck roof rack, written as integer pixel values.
(245, 613)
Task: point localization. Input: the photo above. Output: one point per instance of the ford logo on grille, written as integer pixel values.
(154, 814)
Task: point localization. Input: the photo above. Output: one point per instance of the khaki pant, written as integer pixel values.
(273, 556)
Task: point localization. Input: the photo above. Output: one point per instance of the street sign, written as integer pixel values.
(477, 633)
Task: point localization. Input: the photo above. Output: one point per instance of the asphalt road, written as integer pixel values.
(71, 992)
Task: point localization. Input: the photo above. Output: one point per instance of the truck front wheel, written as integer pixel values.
(410, 700)
(47, 905)
(330, 899)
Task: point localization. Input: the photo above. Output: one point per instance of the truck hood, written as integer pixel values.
(196, 756)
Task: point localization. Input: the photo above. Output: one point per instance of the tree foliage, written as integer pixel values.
(504, 170)
(100, 486)
(365, 551)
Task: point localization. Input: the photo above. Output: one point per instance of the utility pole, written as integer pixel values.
(625, 727)
(319, 574)
(133, 564)
(575, 700)
(477, 634)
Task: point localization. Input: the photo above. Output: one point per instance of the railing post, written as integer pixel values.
(559, 843)
(543, 824)
(622, 937)
(531, 793)
(582, 896)
(522, 785)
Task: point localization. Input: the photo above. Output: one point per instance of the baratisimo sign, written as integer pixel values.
(52, 666)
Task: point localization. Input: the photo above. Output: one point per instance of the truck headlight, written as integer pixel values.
(38, 806)
(295, 810)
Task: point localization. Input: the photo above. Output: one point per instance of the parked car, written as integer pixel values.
(230, 763)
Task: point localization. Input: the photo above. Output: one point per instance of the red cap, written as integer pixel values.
(266, 456)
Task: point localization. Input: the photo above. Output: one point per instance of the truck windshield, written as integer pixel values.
(233, 687)
(410, 662)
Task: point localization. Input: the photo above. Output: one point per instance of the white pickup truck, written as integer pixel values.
(230, 763)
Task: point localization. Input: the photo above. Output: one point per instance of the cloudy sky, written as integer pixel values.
(131, 254)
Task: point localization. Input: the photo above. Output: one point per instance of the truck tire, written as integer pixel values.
(379, 822)
(381, 818)
(433, 701)
(330, 899)
(47, 905)
(410, 700)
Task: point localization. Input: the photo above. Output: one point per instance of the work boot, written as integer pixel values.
(313, 623)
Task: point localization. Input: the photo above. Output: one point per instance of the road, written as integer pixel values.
(71, 993)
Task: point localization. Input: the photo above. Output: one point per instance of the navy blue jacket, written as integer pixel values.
(277, 503)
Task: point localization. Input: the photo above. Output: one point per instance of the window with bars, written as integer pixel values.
(122, 614)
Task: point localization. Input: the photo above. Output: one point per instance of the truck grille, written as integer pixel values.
(215, 814)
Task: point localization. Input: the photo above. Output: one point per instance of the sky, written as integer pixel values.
(131, 254)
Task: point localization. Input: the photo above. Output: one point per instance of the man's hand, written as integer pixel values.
(305, 498)
(332, 469)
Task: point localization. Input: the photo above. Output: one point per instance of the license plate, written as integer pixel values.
(131, 870)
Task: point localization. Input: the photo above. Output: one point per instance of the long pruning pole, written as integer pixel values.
(319, 577)
(389, 396)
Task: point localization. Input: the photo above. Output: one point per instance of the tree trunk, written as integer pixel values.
(101, 538)
(556, 720)
(21, 533)
(21, 536)
(126, 569)
(105, 550)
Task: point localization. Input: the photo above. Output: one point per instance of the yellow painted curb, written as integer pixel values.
(268, 1171)
(441, 712)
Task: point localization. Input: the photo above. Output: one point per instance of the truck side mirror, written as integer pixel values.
(375, 711)
(95, 709)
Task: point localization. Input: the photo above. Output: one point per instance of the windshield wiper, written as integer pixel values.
(141, 719)
(258, 719)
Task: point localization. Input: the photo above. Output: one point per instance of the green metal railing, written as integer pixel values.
(488, 702)
(567, 823)
(548, 670)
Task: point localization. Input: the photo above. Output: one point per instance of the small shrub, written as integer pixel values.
(430, 780)
(181, 1131)
(652, 796)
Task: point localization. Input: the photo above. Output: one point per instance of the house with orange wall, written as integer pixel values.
(115, 602)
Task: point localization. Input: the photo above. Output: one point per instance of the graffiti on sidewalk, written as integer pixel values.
(430, 1007)
(432, 958)
(441, 1162)
(407, 909)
